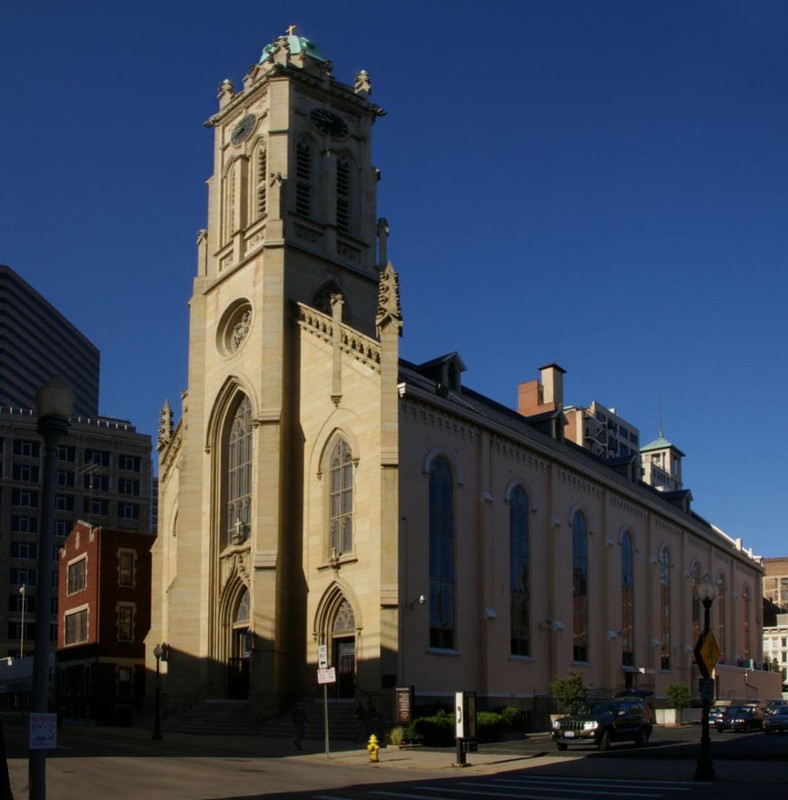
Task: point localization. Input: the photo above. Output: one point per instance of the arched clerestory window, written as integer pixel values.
(696, 602)
(746, 598)
(519, 576)
(579, 587)
(340, 506)
(627, 601)
(441, 555)
(720, 612)
(238, 473)
(664, 607)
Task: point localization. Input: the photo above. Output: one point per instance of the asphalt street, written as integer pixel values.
(126, 764)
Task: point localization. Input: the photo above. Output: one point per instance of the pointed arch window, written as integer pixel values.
(627, 601)
(344, 195)
(441, 558)
(242, 612)
(345, 619)
(238, 474)
(519, 577)
(340, 514)
(261, 186)
(664, 607)
(720, 611)
(580, 587)
(696, 604)
(230, 182)
(304, 177)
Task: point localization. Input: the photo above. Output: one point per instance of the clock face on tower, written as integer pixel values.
(329, 123)
(242, 130)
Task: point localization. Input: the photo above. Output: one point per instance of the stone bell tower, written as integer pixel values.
(291, 224)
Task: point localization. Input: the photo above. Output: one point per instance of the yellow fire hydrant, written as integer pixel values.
(373, 747)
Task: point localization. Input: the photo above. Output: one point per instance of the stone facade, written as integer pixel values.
(321, 498)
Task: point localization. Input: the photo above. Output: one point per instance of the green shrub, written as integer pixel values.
(434, 731)
(438, 729)
(397, 735)
(678, 695)
(515, 719)
(570, 691)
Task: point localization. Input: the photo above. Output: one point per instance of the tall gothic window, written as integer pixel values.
(747, 611)
(664, 607)
(261, 186)
(239, 473)
(627, 601)
(580, 587)
(696, 603)
(721, 615)
(441, 557)
(340, 514)
(518, 574)
(304, 178)
(344, 195)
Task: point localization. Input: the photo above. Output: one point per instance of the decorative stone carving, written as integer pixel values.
(363, 84)
(226, 90)
(165, 426)
(389, 310)
(241, 329)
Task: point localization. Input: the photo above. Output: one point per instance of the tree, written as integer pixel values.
(570, 692)
(678, 695)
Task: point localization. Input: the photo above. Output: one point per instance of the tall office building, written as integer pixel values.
(104, 464)
(37, 342)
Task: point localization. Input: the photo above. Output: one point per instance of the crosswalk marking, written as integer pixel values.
(528, 787)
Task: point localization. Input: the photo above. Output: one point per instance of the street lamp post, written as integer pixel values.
(705, 768)
(162, 653)
(55, 402)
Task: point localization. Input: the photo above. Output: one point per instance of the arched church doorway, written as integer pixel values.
(343, 635)
(239, 651)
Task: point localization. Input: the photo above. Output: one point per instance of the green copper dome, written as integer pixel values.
(297, 45)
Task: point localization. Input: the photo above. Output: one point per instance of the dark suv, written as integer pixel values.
(606, 721)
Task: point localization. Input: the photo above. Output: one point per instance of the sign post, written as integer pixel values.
(325, 675)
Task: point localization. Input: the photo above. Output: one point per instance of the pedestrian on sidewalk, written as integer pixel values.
(299, 720)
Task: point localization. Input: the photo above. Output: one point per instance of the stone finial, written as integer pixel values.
(363, 84)
(389, 310)
(165, 426)
(226, 92)
(383, 237)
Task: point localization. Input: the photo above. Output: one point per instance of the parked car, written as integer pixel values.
(776, 719)
(740, 718)
(605, 721)
(715, 712)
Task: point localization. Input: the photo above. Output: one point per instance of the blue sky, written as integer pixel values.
(600, 184)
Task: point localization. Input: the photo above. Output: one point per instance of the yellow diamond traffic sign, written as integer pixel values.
(707, 654)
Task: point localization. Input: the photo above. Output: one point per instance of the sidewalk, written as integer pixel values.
(98, 742)
(441, 761)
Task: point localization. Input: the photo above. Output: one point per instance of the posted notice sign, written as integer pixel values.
(327, 675)
(43, 732)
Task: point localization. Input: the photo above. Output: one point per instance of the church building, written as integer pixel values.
(325, 503)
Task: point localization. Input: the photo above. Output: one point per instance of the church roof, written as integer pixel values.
(296, 44)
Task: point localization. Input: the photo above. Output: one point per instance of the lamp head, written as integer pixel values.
(55, 399)
(707, 590)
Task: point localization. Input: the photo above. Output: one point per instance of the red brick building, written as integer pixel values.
(103, 618)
